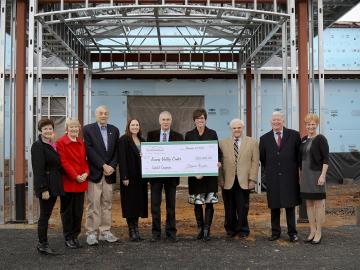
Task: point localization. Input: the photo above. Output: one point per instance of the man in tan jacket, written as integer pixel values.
(238, 175)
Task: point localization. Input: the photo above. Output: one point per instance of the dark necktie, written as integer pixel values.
(278, 138)
(164, 137)
(236, 149)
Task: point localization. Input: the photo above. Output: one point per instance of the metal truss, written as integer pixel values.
(73, 32)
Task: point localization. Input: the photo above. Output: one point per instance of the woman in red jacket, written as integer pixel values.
(71, 149)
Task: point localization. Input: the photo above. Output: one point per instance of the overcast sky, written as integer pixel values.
(353, 15)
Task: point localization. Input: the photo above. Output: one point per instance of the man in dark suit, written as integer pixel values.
(101, 150)
(279, 151)
(164, 134)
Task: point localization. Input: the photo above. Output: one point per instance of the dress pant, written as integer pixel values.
(71, 210)
(236, 204)
(156, 197)
(290, 220)
(46, 207)
(98, 211)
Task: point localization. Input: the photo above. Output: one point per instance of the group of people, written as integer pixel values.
(294, 168)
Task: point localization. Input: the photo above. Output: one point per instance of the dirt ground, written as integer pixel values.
(340, 210)
(339, 249)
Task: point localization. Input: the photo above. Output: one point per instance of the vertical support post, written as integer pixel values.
(30, 112)
(248, 102)
(311, 57)
(2, 107)
(241, 92)
(258, 112)
(12, 111)
(20, 110)
(81, 95)
(39, 73)
(284, 72)
(303, 62)
(70, 101)
(294, 91)
(73, 92)
(322, 109)
(87, 96)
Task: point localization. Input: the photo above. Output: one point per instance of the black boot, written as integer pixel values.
(136, 227)
(44, 248)
(199, 220)
(209, 213)
(132, 233)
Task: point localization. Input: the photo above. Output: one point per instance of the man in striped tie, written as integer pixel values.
(238, 175)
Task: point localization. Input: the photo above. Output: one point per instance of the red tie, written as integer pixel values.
(278, 138)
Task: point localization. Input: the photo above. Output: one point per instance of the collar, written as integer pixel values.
(101, 127)
(281, 132)
(167, 132)
(67, 140)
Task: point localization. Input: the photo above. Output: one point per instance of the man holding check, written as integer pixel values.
(164, 134)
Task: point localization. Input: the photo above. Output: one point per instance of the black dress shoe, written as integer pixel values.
(155, 238)
(243, 235)
(77, 243)
(293, 238)
(43, 248)
(316, 242)
(70, 244)
(274, 237)
(172, 238)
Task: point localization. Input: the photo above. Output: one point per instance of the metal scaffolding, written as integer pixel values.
(219, 35)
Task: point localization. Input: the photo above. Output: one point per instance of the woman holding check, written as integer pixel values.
(71, 149)
(202, 189)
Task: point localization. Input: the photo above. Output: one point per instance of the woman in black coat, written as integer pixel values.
(202, 189)
(47, 179)
(133, 189)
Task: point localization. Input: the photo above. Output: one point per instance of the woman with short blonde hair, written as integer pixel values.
(75, 173)
(314, 156)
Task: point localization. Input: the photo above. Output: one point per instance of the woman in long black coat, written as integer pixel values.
(202, 189)
(133, 189)
(47, 179)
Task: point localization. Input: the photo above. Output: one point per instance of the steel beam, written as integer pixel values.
(81, 95)
(30, 110)
(258, 116)
(12, 141)
(20, 110)
(241, 92)
(140, 2)
(2, 107)
(322, 107)
(284, 53)
(311, 57)
(302, 6)
(87, 96)
(294, 90)
(248, 102)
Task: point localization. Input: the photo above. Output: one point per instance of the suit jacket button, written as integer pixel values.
(278, 153)
(279, 174)
(279, 163)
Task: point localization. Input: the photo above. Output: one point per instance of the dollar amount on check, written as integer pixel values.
(172, 159)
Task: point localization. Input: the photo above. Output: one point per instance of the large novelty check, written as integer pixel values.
(172, 159)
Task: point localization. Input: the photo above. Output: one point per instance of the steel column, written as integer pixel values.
(258, 113)
(248, 102)
(39, 73)
(284, 71)
(303, 63)
(311, 57)
(30, 109)
(294, 90)
(20, 110)
(241, 92)
(322, 108)
(81, 95)
(2, 107)
(12, 196)
(87, 96)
